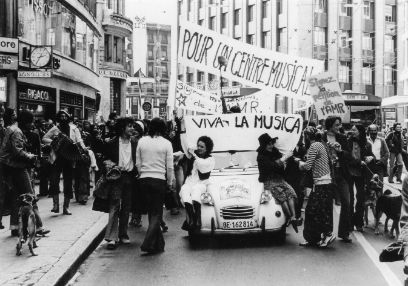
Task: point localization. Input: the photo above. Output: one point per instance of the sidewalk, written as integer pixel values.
(70, 241)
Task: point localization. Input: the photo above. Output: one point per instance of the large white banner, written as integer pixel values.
(327, 97)
(240, 132)
(250, 65)
(3, 89)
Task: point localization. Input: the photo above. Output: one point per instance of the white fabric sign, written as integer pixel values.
(190, 98)
(326, 95)
(240, 132)
(250, 65)
(3, 89)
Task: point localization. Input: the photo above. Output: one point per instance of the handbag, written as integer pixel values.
(393, 252)
(100, 205)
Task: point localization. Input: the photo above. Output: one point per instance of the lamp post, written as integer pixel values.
(222, 61)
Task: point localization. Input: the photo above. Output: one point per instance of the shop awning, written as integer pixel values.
(394, 100)
(361, 99)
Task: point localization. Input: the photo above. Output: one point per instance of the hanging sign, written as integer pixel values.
(279, 73)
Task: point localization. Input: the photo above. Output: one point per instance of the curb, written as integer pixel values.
(68, 264)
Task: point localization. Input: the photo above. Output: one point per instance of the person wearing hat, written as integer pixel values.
(271, 174)
(61, 164)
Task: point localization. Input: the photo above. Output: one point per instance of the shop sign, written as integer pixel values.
(33, 74)
(36, 94)
(390, 115)
(3, 89)
(113, 73)
(355, 97)
(9, 45)
(389, 109)
(8, 62)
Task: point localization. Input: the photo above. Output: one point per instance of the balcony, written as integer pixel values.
(320, 52)
(368, 56)
(389, 58)
(367, 88)
(390, 28)
(117, 24)
(320, 20)
(345, 86)
(345, 23)
(345, 54)
(368, 26)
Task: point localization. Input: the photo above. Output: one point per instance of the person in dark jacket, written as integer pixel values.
(339, 154)
(361, 156)
(395, 143)
(121, 152)
(271, 172)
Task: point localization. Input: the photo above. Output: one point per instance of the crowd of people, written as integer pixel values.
(137, 166)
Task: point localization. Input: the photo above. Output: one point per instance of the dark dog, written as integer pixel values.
(26, 223)
(373, 192)
(391, 206)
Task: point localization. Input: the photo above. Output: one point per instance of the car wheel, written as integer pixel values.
(193, 238)
(280, 236)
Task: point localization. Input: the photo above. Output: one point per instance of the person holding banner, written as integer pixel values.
(199, 166)
(271, 172)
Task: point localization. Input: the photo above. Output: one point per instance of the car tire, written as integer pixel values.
(280, 236)
(193, 238)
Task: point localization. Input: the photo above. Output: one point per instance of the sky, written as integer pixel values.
(154, 11)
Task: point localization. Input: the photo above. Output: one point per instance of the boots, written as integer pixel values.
(65, 210)
(197, 214)
(55, 206)
(189, 222)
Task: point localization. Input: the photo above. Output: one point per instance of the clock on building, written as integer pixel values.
(40, 56)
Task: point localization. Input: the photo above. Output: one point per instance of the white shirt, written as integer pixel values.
(125, 155)
(376, 147)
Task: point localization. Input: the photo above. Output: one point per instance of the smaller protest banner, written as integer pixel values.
(190, 98)
(240, 132)
(326, 95)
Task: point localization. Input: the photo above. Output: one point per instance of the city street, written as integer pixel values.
(241, 261)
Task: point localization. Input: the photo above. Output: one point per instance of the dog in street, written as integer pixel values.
(372, 193)
(26, 223)
(390, 205)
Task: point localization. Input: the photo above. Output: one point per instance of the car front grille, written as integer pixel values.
(242, 212)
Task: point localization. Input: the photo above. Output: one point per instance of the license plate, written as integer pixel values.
(238, 224)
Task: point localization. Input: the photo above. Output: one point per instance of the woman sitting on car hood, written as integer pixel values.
(199, 166)
(271, 173)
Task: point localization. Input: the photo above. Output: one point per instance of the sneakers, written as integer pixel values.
(326, 240)
(111, 245)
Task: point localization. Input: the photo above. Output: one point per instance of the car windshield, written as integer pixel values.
(233, 159)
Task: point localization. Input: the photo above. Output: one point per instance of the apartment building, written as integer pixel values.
(363, 43)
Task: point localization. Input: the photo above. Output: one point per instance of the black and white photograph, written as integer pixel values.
(203, 142)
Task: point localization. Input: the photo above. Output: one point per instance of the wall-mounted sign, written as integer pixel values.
(390, 115)
(388, 109)
(355, 97)
(9, 45)
(3, 89)
(8, 62)
(113, 73)
(34, 93)
(33, 74)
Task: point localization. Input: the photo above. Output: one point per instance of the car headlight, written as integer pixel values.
(206, 198)
(266, 196)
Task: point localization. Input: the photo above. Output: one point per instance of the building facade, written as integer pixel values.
(363, 43)
(154, 89)
(115, 57)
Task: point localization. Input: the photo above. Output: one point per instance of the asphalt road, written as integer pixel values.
(241, 261)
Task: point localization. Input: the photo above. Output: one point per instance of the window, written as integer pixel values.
(367, 75)
(345, 39)
(200, 22)
(366, 10)
(344, 72)
(236, 16)
(165, 70)
(150, 37)
(190, 78)
(150, 52)
(282, 39)
(279, 6)
(189, 6)
(211, 77)
(117, 50)
(345, 11)
(223, 20)
(320, 6)
(250, 13)
(164, 52)
(389, 12)
(150, 70)
(164, 38)
(211, 24)
(388, 75)
(250, 39)
(388, 44)
(367, 43)
(200, 4)
(319, 36)
(266, 40)
(108, 48)
(200, 77)
(265, 8)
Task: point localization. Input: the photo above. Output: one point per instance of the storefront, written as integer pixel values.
(39, 100)
(90, 109)
(72, 103)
